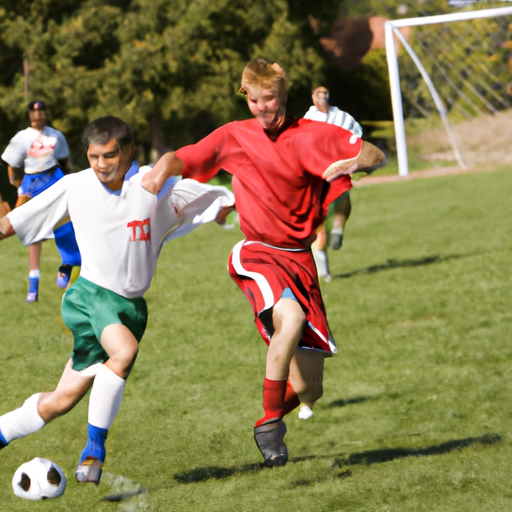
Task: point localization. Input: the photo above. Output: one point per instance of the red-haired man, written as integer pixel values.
(285, 173)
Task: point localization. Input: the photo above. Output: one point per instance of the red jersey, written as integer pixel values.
(280, 195)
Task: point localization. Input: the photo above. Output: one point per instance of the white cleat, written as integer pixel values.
(89, 471)
(305, 412)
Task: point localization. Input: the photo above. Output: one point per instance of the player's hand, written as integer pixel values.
(369, 159)
(223, 213)
(6, 228)
(168, 165)
(342, 168)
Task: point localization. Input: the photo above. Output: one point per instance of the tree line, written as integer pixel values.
(171, 68)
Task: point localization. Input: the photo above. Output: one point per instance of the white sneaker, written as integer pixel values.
(305, 412)
(89, 471)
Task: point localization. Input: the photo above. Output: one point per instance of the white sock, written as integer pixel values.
(21, 422)
(34, 273)
(322, 266)
(305, 412)
(105, 399)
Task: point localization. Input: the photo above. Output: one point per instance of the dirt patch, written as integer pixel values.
(429, 173)
(485, 143)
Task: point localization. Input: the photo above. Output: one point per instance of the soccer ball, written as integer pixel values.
(39, 479)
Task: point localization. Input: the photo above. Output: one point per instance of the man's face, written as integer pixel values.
(110, 163)
(268, 106)
(37, 119)
(321, 99)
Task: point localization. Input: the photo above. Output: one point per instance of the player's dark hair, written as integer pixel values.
(104, 129)
(36, 105)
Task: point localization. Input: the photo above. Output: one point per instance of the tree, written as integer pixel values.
(170, 68)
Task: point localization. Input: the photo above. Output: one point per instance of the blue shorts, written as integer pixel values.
(33, 184)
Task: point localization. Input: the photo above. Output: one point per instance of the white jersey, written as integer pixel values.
(119, 234)
(337, 117)
(36, 151)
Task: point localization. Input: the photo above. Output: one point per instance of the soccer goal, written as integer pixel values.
(462, 67)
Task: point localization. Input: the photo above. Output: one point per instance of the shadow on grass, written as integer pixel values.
(125, 495)
(342, 402)
(366, 458)
(389, 454)
(215, 473)
(427, 260)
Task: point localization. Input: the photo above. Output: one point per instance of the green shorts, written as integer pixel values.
(88, 308)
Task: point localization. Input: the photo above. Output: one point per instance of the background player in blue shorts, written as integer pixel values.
(38, 157)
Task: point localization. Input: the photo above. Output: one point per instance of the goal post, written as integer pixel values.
(392, 34)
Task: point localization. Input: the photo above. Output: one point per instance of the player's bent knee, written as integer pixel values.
(288, 315)
(121, 363)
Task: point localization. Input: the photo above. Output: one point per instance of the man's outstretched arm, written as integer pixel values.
(168, 165)
(6, 229)
(369, 159)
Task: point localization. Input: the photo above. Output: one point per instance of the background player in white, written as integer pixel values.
(121, 226)
(38, 157)
(322, 111)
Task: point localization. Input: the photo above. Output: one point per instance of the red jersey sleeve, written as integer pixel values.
(201, 161)
(323, 144)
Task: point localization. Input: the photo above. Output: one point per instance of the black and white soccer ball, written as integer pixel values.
(39, 479)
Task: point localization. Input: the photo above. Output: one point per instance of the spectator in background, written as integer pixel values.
(36, 158)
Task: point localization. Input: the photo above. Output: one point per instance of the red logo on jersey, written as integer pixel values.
(42, 146)
(140, 230)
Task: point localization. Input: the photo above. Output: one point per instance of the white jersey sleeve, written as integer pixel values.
(310, 114)
(35, 220)
(196, 204)
(16, 151)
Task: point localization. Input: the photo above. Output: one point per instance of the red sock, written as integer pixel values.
(273, 401)
(291, 399)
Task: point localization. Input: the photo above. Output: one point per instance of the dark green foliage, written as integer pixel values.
(171, 68)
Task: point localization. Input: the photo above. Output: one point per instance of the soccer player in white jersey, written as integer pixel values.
(322, 111)
(121, 226)
(36, 158)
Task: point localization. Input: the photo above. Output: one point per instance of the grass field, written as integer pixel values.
(417, 410)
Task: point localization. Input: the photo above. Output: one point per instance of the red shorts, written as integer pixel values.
(266, 274)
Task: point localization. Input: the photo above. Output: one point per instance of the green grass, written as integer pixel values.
(417, 410)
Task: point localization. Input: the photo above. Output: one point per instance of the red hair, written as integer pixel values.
(263, 73)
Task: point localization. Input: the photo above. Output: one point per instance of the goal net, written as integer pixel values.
(451, 84)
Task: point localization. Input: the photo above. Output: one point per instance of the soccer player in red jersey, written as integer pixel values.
(285, 172)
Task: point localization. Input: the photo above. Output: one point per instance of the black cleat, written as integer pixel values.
(269, 439)
(336, 239)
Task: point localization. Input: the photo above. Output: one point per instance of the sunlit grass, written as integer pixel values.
(417, 409)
